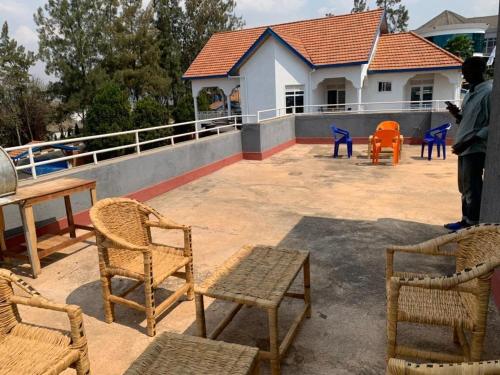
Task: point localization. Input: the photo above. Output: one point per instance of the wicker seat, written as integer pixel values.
(30, 350)
(125, 247)
(400, 367)
(459, 301)
(176, 354)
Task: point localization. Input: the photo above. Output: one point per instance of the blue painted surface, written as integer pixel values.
(341, 136)
(435, 136)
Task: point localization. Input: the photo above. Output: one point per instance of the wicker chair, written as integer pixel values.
(26, 349)
(125, 247)
(459, 301)
(400, 367)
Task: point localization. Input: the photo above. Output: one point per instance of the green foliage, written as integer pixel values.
(149, 113)
(359, 6)
(109, 112)
(396, 13)
(203, 101)
(72, 36)
(24, 104)
(134, 60)
(461, 46)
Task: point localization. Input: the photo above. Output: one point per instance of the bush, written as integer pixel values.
(109, 113)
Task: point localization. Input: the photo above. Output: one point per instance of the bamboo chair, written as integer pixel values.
(459, 301)
(26, 349)
(125, 248)
(400, 367)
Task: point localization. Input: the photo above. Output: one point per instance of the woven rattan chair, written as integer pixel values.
(459, 301)
(26, 349)
(125, 247)
(400, 367)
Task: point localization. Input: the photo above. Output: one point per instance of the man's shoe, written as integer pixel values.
(457, 226)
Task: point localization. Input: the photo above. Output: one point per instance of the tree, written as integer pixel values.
(461, 46)
(396, 13)
(149, 113)
(72, 37)
(203, 19)
(24, 105)
(134, 61)
(109, 112)
(359, 6)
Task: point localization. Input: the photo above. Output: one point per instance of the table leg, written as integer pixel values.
(200, 315)
(93, 196)
(31, 240)
(307, 286)
(274, 348)
(3, 246)
(69, 216)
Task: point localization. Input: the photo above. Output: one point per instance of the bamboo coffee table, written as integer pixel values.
(258, 276)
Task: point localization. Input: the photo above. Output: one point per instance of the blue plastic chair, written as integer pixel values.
(436, 136)
(341, 136)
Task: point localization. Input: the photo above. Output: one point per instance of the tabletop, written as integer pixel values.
(46, 190)
(255, 275)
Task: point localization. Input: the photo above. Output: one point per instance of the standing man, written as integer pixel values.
(470, 141)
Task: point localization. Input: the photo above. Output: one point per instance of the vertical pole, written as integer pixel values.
(360, 98)
(197, 125)
(490, 207)
(137, 143)
(32, 163)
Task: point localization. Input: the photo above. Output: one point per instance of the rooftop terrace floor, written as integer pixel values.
(344, 211)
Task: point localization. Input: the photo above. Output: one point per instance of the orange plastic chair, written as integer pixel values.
(387, 125)
(385, 139)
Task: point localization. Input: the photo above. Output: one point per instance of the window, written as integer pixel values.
(294, 99)
(384, 86)
(490, 43)
(421, 96)
(336, 100)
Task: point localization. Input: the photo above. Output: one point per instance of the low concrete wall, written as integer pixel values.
(261, 140)
(361, 126)
(130, 174)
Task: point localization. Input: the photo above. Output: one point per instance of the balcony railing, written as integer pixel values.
(366, 107)
(134, 135)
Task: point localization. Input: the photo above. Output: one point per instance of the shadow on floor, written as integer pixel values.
(347, 331)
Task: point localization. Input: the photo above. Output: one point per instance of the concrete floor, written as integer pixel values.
(345, 212)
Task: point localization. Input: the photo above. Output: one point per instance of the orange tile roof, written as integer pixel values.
(324, 41)
(409, 51)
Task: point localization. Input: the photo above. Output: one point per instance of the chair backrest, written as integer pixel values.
(388, 125)
(478, 244)
(386, 137)
(121, 218)
(337, 131)
(439, 131)
(401, 367)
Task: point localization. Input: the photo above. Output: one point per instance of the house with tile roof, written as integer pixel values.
(326, 64)
(447, 25)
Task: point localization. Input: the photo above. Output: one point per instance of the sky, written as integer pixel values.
(19, 14)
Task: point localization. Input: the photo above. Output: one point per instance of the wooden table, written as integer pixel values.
(258, 276)
(28, 196)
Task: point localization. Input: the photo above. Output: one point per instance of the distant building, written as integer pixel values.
(447, 25)
(326, 64)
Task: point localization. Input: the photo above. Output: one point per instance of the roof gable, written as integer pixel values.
(410, 52)
(327, 41)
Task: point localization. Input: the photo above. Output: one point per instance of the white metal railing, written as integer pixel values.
(364, 107)
(136, 142)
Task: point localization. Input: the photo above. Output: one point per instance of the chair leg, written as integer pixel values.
(349, 149)
(150, 309)
(422, 150)
(336, 150)
(392, 320)
(190, 280)
(438, 146)
(429, 150)
(476, 347)
(109, 307)
(444, 151)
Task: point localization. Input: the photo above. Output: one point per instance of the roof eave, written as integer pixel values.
(187, 78)
(454, 67)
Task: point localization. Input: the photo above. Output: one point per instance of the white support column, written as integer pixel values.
(359, 92)
(196, 115)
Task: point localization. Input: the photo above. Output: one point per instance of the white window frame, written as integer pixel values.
(295, 92)
(384, 86)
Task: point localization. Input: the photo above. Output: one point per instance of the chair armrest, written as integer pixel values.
(119, 243)
(74, 313)
(445, 282)
(430, 247)
(165, 223)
